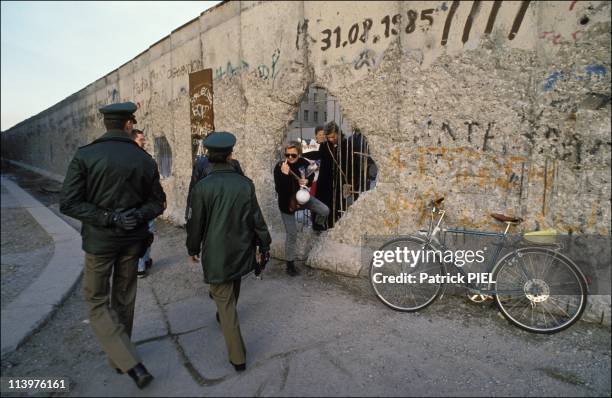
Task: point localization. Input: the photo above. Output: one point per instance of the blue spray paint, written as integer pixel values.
(550, 81)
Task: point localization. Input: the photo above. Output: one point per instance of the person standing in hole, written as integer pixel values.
(290, 176)
(331, 176)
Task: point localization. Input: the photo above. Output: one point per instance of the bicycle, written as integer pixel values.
(535, 287)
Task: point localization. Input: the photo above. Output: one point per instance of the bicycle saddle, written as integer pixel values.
(503, 218)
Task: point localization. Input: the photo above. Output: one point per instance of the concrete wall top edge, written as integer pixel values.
(223, 12)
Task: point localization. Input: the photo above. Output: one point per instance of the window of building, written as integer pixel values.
(325, 116)
(316, 116)
(305, 115)
(163, 156)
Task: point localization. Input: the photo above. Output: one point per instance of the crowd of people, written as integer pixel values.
(112, 186)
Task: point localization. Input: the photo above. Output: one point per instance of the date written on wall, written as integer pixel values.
(362, 30)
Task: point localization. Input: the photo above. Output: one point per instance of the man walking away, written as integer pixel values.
(224, 225)
(112, 186)
(145, 262)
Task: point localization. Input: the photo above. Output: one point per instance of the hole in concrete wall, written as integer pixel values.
(163, 156)
(584, 20)
(346, 170)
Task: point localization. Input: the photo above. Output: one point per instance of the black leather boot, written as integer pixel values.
(291, 269)
(140, 375)
(239, 368)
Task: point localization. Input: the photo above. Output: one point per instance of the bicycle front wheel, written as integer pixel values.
(539, 290)
(401, 276)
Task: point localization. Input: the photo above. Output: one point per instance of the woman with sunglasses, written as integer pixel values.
(290, 176)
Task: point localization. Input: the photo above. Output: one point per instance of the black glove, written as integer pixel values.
(139, 214)
(125, 220)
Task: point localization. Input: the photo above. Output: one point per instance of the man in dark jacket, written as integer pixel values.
(112, 186)
(201, 169)
(331, 174)
(225, 224)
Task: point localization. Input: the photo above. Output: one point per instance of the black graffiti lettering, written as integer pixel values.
(353, 33)
(326, 40)
(396, 20)
(337, 32)
(367, 25)
(446, 127)
(470, 19)
(470, 129)
(518, 20)
(412, 17)
(426, 15)
(550, 131)
(387, 21)
(449, 20)
(487, 136)
(366, 57)
(492, 16)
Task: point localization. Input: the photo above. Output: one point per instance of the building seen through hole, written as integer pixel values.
(346, 168)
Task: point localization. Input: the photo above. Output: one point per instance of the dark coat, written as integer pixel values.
(329, 184)
(111, 174)
(287, 185)
(201, 169)
(225, 224)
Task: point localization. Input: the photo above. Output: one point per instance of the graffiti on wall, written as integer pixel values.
(184, 69)
(264, 71)
(201, 107)
(391, 25)
(597, 71)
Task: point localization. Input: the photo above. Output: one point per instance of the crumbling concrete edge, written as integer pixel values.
(31, 309)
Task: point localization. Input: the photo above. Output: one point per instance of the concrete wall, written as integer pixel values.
(494, 111)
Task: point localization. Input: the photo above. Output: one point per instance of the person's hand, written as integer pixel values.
(303, 182)
(265, 257)
(285, 168)
(126, 220)
(262, 260)
(195, 258)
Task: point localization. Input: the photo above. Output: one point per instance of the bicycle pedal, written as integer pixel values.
(479, 298)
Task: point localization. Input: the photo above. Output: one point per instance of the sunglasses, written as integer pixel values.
(291, 155)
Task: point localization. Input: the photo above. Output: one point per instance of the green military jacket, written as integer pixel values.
(225, 224)
(112, 173)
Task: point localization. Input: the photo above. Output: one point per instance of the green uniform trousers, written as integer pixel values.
(111, 311)
(226, 297)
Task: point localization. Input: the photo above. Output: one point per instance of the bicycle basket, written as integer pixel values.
(543, 237)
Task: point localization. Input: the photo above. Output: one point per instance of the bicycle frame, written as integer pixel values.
(432, 241)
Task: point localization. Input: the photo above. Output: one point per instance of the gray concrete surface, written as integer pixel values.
(316, 334)
(26, 248)
(28, 311)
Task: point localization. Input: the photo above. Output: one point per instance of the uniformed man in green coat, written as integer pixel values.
(226, 225)
(112, 186)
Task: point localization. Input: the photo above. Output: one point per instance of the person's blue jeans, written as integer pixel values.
(147, 256)
(318, 208)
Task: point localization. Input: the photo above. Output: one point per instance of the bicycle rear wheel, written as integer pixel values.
(391, 279)
(539, 290)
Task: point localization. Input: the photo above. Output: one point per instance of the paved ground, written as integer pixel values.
(26, 248)
(317, 334)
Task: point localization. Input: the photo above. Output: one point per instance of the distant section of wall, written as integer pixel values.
(499, 106)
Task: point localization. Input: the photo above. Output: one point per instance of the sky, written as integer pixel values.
(52, 49)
